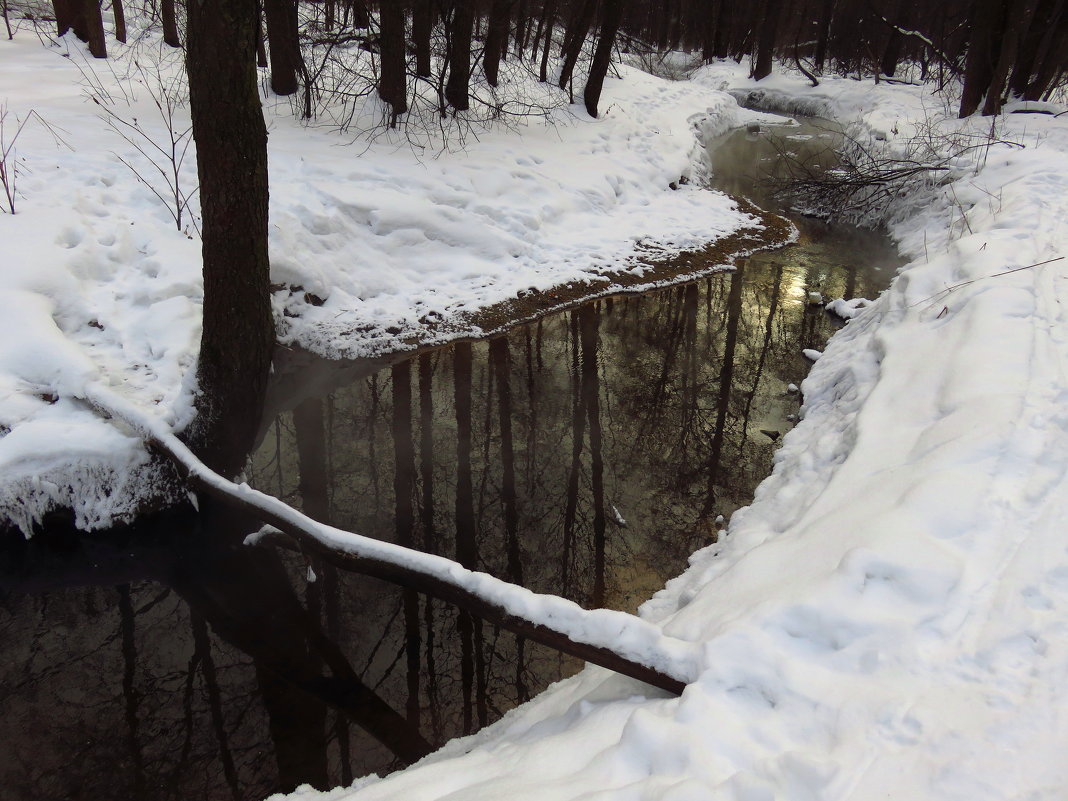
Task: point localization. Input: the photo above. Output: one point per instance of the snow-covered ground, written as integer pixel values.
(889, 617)
(887, 620)
(371, 237)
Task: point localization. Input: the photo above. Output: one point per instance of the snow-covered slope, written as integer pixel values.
(888, 619)
(370, 238)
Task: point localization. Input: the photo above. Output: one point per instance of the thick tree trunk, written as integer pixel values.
(823, 32)
(577, 30)
(170, 23)
(64, 14)
(231, 140)
(1017, 20)
(95, 29)
(892, 53)
(422, 25)
(120, 20)
(457, 86)
(1035, 45)
(284, 45)
(983, 45)
(71, 15)
(767, 32)
(550, 24)
(1050, 65)
(392, 81)
(602, 57)
(496, 39)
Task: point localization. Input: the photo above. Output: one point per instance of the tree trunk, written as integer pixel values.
(1035, 45)
(422, 25)
(602, 57)
(170, 23)
(577, 30)
(1017, 21)
(1050, 66)
(71, 16)
(823, 31)
(767, 31)
(64, 15)
(550, 23)
(457, 87)
(892, 53)
(392, 82)
(281, 16)
(231, 140)
(983, 45)
(496, 40)
(95, 29)
(120, 20)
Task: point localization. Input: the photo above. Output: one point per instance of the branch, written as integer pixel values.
(639, 649)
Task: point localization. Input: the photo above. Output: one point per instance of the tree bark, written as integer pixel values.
(767, 33)
(1035, 45)
(170, 23)
(120, 20)
(422, 24)
(95, 29)
(602, 57)
(577, 30)
(892, 52)
(284, 45)
(392, 81)
(457, 91)
(1017, 20)
(496, 40)
(231, 140)
(983, 41)
(823, 31)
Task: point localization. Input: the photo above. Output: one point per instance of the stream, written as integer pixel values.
(587, 454)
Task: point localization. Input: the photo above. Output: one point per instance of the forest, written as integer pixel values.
(427, 60)
(836, 504)
(454, 48)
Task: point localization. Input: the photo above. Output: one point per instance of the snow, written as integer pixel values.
(847, 309)
(371, 237)
(887, 619)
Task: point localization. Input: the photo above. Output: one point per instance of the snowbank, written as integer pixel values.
(371, 239)
(888, 618)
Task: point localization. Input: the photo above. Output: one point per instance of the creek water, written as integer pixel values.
(586, 454)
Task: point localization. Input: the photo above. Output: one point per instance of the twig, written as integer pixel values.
(949, 289)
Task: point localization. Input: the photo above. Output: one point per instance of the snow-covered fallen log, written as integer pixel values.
(616, 640)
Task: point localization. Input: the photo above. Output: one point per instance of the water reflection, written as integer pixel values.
(586, 455)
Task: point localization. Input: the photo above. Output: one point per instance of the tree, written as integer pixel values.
(496, 39)
(602, 57)
(170, 24)
(392, 81)
(459, 55)
(766, 31)
(284, 43)
(231, 138)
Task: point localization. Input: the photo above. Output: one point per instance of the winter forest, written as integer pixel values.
(533, 399)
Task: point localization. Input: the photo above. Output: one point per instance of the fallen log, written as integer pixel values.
(616, 640)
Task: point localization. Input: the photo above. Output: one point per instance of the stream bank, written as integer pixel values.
(573, 454)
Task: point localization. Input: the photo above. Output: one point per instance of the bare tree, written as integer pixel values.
(238, 330)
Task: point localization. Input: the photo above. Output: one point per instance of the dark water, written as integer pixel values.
(586, 455)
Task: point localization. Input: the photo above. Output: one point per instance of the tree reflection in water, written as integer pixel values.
(583, 455)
